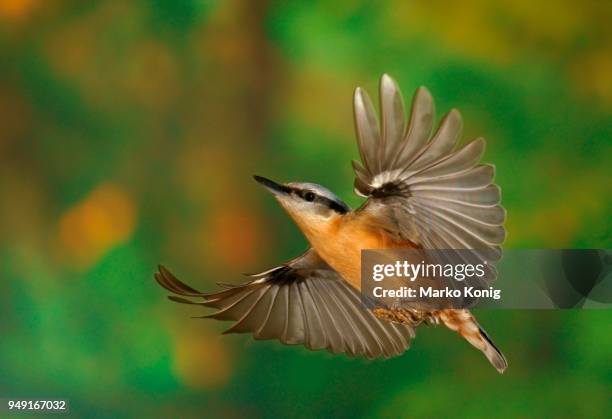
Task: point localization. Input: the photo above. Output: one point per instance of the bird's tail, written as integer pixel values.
(462, 322)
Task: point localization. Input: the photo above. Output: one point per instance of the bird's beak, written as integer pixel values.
(276, 188)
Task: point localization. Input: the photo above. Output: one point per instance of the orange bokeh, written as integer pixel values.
(201, 361)
(16, 9)
(105, 218)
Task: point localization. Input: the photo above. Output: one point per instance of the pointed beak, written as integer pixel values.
(276, 188)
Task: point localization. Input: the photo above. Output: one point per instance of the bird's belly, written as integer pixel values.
(343, 253)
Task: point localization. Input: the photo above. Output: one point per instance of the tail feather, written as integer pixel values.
(462, 322)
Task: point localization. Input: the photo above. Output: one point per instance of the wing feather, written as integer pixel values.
(302, 302)
(418, 130)
(392, 118)
(368, 134)
(424, 189)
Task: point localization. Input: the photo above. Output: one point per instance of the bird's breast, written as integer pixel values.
(341, 242)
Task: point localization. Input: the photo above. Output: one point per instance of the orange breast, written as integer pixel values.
(340, 244)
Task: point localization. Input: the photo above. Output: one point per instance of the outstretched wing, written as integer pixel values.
(427, 191)
(302, 302)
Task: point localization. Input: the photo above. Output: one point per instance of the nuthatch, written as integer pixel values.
(422, 194)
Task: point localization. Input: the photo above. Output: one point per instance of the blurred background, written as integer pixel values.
(129, 132)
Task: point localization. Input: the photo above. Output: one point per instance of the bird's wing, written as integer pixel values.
(301, 302)
(426, 191)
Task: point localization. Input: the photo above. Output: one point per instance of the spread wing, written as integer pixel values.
(301, 302)
(428, 192)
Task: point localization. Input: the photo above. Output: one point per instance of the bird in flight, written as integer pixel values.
(422, 193)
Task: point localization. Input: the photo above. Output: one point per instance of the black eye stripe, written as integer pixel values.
(333, 205)
(342, 209)
(305, 194)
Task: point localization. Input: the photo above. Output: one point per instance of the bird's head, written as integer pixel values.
(310, 205)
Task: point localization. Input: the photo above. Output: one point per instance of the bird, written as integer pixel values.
(422, 192)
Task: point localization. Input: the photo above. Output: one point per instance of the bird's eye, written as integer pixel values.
(309, 196)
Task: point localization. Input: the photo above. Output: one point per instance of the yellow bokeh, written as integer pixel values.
(506, 32)
(105, 218)
(201, 360)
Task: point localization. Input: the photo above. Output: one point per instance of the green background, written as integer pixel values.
(129, 132)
